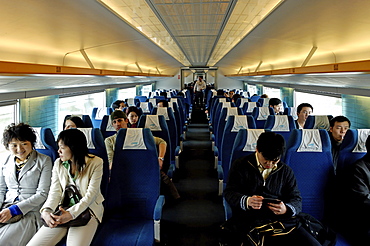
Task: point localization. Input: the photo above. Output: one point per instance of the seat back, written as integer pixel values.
(141, 98)
(225, 113)
(134, 184)
(95, 143)
(254, 98)
(146, 107)
(245, 143)
(97, 115)
(158, 126)
(309, 155)
(264, 102)
(85, 118)
(45, 142)
(240, 102)
(291, 111)
(282, 124)
(130, 102)
(260, 115)
(106, 127)
(352, 148)
(318, 122)
(171, 123)
(248, 107)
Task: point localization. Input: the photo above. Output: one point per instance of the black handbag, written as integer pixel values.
(71, 192)
(14, 218)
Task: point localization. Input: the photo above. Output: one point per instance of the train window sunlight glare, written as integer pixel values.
(322, 105)
(7, 116)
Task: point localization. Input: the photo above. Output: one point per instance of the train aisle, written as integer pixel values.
(195, 219)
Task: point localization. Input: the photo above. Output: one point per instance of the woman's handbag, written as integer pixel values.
(71, 192)
(14, 218)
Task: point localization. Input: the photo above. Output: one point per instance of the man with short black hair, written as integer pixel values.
(303, 111)
(338, 129)
(277, 105)
(262, 175)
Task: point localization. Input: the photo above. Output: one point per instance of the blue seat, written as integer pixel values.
(260, 115)
(264, 102)
(247, 107)
(309, 155)
(97, 115)
(352, 148)
(45, 142)
(133, 205)
(145, 107)
(292, 111)
(240, 102)
(141, 98)
(281, 124)
(234, 123)
(106, 127)
(225, 113)
(254, 98)
(318, 122)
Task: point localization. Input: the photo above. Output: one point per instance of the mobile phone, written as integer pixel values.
(271, 200)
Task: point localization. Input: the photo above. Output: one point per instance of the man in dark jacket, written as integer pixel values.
(262, 175)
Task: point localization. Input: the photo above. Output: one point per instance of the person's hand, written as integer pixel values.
(48, 219)
(63, 218)
(5, 215)
(255, 202)
(277, 208)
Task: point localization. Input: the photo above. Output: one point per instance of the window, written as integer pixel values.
(272, 92)
(322, 105)
(146, 90)
(252, 89)
(7, 116)
(82, 104)
(127, 93)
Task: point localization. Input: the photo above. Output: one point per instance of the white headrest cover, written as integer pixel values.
(152, 123)
(87, 132)
(134, 139)
(100, 112)
(38, 144)
(361, 141)
(242, 101)
(222, 99)
(252, 137)
(281, 123)
(263, 113)
(77, 115)
(251, 106)
(226, 104)
(110, 127)
(173, 100)
(321, 122)
(145, 107)
(266, 102)
(131, 102)
(311, 141)
(163, 111)
(231, 111)
(240, 122)
(293, 113)
(153, 101)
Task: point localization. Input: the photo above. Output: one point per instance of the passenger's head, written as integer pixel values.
(118, 105)
(264, 96)
(19, 139)
(276, 104)
(220, 92)
(304, 110)
(163, 94)
(339, 126)
(270, 148)
(72, 145)
(231, 94)
(181, 94)
(73, 122)
(133, 114)
(235, 97)
(119, 119)
(162, 103)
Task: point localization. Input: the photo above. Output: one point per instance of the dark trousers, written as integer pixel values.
(198, 98)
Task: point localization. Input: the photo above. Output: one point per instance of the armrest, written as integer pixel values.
(227, 209)
(157, 215)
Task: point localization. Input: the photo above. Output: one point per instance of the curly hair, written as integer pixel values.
(21, 132)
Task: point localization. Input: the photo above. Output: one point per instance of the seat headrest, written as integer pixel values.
(361, 141)
(266, 102)
(87, 132)
(321, 122)
(311, 141)
(242, 101)
(222, 99)
(240, 122)
(281, 123)
(100, 112)
(251, 106)
(226, 104)
(231, 111)
(153, 101)
(77, 115)
(145, 107)
(163, 111)
(134, 139)
(152, 122)
(109, 127)
(263, 113)
(252, 137)
(38, 144)
(173, 100)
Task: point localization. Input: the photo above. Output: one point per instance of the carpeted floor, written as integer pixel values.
(195, 219)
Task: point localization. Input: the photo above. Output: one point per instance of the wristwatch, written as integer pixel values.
(161, 158)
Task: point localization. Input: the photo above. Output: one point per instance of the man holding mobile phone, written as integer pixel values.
(261, 189)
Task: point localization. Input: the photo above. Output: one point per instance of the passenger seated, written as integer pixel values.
(119, 120)
(303, 111)
(235, 97)
(73, 122)
(162, 103)
(119, 105)
(133, 115)
(338, 128)
(358, 216)
(277, 105)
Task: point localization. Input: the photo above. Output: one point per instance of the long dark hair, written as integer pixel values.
(76, 141)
